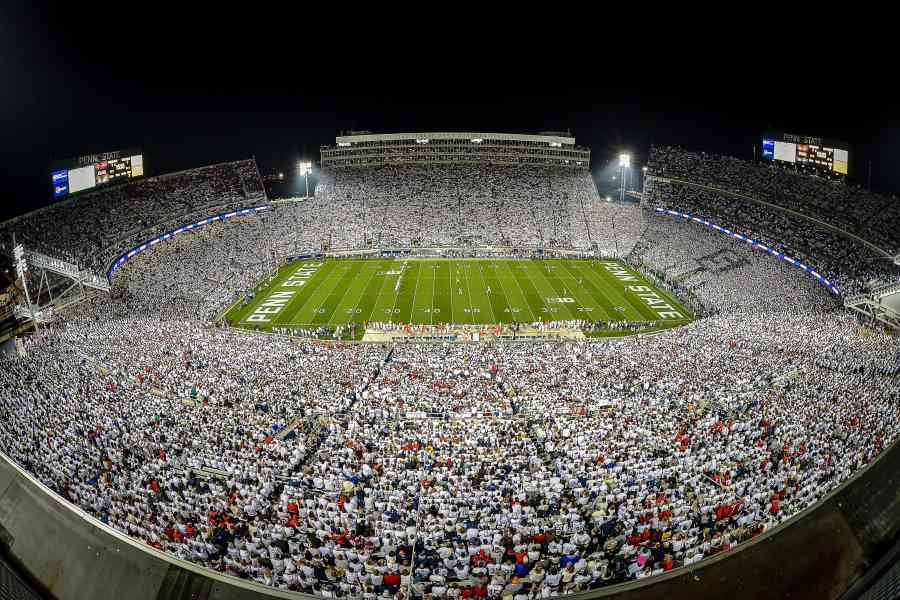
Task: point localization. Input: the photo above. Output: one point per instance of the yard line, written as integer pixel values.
(554, 309)
(433, 285)
(490, 306)
(290, 319)
(412, 309)
(397, 289)
(337, 282)
(521, 291)
(578, 286)
(469, 293)
(509, 306)
(363, 290)
(380, 292)
(450, 283)
(601, 290)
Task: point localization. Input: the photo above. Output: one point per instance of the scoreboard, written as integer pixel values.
(95, 170)
(807, 152)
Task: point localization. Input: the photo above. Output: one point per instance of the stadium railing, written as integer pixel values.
(124, 257)
(880, 251)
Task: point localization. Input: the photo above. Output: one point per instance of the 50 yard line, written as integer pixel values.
(398, 285)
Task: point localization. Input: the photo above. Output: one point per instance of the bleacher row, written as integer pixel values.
(551, 468)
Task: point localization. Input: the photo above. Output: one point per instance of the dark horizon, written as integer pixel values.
(187, 105)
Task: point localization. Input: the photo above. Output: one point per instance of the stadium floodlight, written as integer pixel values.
(305, 170)
(625, 165)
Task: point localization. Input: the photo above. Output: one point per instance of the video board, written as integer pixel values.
(807, 152)
(95, 170)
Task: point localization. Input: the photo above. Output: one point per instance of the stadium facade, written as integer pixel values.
(369, 150)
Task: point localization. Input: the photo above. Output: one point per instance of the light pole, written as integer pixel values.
(643, 181)
(625, 164)
(305, 170)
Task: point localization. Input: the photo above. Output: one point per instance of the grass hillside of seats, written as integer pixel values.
(310, 294)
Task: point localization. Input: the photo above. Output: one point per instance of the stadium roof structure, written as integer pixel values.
(456, 135)
(366, 149)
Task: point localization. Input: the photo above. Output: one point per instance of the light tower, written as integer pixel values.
(305, 170)
(625, 165)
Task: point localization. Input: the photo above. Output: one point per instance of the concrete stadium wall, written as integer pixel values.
(817, 554)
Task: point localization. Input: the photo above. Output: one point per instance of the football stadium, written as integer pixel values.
(455, 368)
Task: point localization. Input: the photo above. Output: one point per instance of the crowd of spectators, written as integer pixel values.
(91, 229)
(715, 270)
(723, 190)
(468, 206)
(431, 470)
(869, 215)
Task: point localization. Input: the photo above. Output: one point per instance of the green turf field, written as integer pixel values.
(459, 291)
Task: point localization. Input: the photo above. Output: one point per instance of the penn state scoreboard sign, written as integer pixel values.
(807, 152)
(91, 171)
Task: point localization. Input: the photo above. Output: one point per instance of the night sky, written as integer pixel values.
(192, 90)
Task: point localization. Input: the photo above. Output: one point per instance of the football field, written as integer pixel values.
(317, 292)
